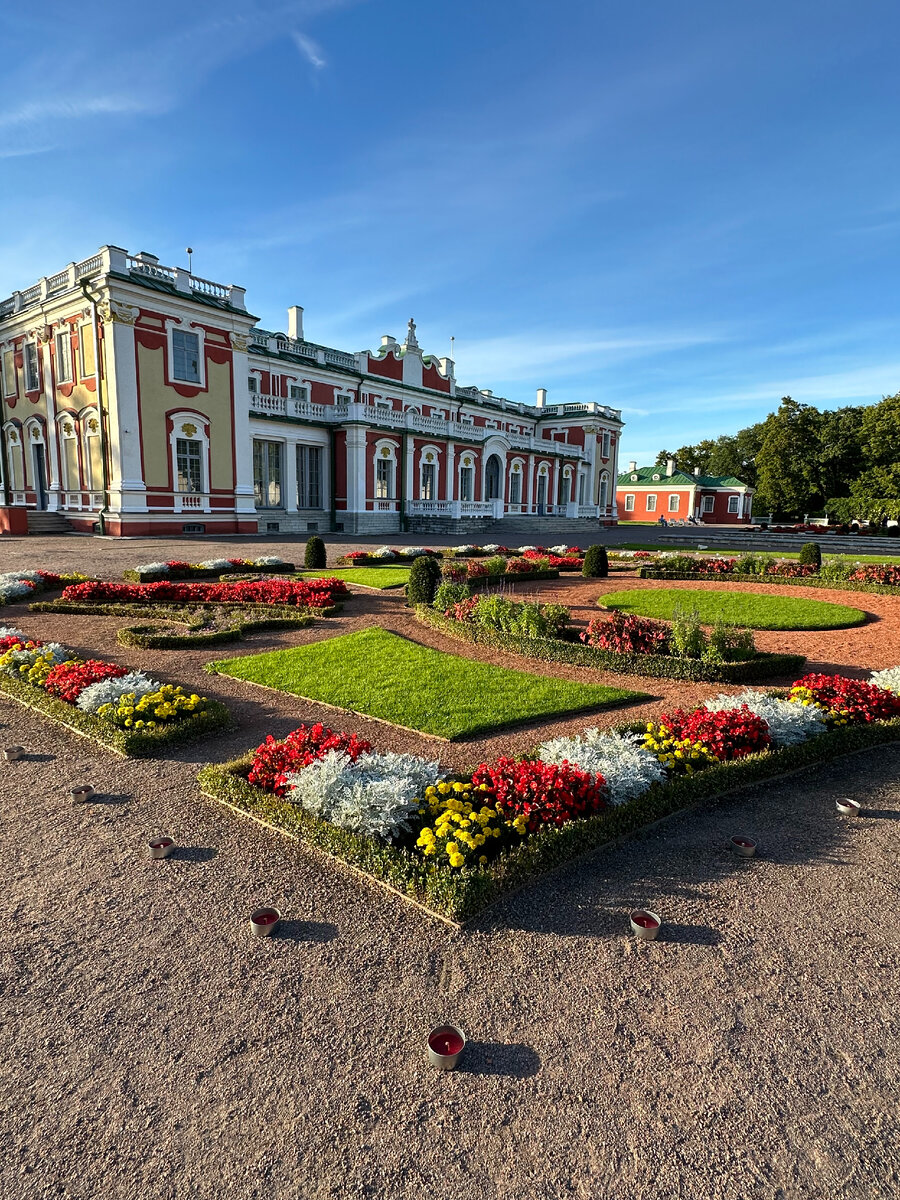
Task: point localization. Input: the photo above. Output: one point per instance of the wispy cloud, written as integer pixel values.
(311, 50)
(66, 108)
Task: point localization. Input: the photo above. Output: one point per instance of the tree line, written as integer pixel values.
(845, 462)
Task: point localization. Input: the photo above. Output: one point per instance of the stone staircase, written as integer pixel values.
(740, 539)
(509, 530)
(42, 522)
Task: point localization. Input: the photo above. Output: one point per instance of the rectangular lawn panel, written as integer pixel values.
(751, 609)
(382, 675)
(373, 577)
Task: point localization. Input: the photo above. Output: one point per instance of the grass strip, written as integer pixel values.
(750, 609)
(379, 674)
(373, 577)
(810, 581)
(460, 896)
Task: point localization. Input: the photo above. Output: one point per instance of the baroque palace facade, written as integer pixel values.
(140, 399)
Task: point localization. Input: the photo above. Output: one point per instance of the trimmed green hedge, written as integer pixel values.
(153, 637)
(201, 573)
(576, 654)
(843, 585)
(461, 895)
(164, 611)
(129, 742)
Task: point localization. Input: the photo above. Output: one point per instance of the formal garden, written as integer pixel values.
(583, 735)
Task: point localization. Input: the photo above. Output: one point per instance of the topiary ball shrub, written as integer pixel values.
(811, 555)
(424, 577)
(315, 557)
(596, 563)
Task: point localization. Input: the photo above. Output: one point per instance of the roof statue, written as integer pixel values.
(411, 342)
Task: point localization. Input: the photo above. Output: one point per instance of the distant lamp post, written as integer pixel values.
(189, 250)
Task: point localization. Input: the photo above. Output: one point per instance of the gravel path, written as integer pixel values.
(152, 1049)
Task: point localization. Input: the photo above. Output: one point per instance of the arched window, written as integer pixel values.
(15, 456)
(189, 450)
(68, 451)
(429, 470)
(92, 464)
(604, 490)
(515, 482)
(493, 478)
(467, 477)
(385, 471)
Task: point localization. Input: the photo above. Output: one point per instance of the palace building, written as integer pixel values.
(140, 399)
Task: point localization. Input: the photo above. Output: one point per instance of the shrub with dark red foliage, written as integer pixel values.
(275, 760)
(730, 733)
(69, 679)
(852, 699)
(544, 793)
(626, 633)
(876, 573)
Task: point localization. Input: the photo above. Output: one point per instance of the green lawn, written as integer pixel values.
(738, 608)
(374, 577)
(382, 675)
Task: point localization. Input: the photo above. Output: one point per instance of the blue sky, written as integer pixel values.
(682, 208)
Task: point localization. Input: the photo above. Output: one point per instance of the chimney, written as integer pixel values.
(295, 323)
(632, 466)
(541, 397)
(670, 466)
(696, 470)
(387, 340)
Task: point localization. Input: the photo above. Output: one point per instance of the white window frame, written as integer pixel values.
(199, 333)
(603, 491)
(674, 502)
(63, 344)
(253, 384)
(436, 463)
(179, 419)
(298, 391)
(651, 502)
(267, 483)
(322, 462)
(391, 458)
(9, 356)
(605, 444)
(734, 506)
(708, 504)
(87, 416)
(27, 349)
(629, 502)
(343, 398)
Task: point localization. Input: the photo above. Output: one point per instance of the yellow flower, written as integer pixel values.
(456, 860)
(483, 859)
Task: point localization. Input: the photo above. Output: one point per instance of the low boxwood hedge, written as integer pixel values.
(134, 576)
(576, 654)
(129, 742)
(154, 637)
(460, 896)
(842, 585)
(283, 612)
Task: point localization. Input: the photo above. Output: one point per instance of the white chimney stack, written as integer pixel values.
(696, 470)
(670, 466)
(632, 466)
(541, 397)
(295, 323)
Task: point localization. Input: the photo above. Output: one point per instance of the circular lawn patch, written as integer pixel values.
(750, 609)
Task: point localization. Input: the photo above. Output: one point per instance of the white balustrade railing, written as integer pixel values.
(206, 286)
(385, 505)
(191, 502)
(476, 508)
(274, 405)
(140, 266)
(588, 510)
(431, 508)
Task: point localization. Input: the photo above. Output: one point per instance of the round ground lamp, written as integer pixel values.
(645, 925)
(81, 792)
(160, 847)
(847, 807)
(14, 753)
(742, 845)
(445, 1046)
(264, 921)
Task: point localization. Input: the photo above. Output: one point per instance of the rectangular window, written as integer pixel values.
(515, 488)
(189, 463)
(466, 477)
(86, 342)
(651, 503)
(604, 449)
(674, 502)
(708, 503)
(629, 502)
(734, 504)
(32, 378)
(309, 477)
(63, 357)
(384, 478)
(252, 384)
(267, 474)
(428, 481)
(9, 373)
(343, 400)
(185, 356)
(296, 392)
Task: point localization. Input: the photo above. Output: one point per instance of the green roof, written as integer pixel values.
(657, 477)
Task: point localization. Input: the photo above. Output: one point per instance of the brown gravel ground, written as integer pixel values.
(153, 1050)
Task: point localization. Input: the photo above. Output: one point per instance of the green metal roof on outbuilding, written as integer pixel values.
(657, 477)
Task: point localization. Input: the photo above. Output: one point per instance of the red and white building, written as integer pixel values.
(145, 400)
(648, 493)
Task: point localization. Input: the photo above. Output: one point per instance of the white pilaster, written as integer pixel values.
(55, 484)
(244, 500)
(289, 477)
(356, 468)
(530, 483)
(127, 490)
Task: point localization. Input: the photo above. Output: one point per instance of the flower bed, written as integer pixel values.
(878, 578)
(123, 710)
(457, 844)
(208, 569)
(313, 595)
(22, 585)
(560, 558)
(203, 626)
(661, 666)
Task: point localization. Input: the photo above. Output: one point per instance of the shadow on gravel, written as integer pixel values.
(689, 935)
(306, 931)
(498, 1058)
(39, 758)
(880, 814)
(108, 798)
(194, 854)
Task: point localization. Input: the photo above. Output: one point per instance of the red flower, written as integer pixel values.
(853, 698)
(68, 680)
(275, 760)
(546, 793)
(7, 643)
(313, 593)
(730, 733)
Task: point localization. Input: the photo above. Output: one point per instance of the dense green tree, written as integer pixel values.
(787, 462)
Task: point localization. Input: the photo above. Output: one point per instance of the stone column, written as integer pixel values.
(127, 490)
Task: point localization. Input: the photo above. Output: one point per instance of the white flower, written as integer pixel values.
(159, 568)
(216, 564)
(18, 576)
(376, 795)
(268, 560)
(788, 723)
(465, 549)
(15, 589)
(383, 552)
(889, 678)
(628, 769)
(491, 547)
(108, 691)
(522, 549)
(412, 551)
(8, 631)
